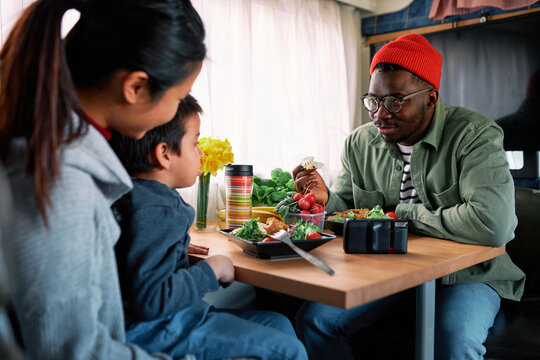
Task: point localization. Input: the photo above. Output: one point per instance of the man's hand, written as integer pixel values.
(310, 180)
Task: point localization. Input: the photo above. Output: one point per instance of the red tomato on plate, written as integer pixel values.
(268, 239)
(392, 215)
(313, 236)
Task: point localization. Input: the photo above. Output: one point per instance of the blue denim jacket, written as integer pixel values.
(156, 278)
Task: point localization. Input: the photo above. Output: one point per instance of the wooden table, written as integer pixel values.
(359, 278)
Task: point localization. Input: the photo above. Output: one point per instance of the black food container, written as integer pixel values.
(375, 236)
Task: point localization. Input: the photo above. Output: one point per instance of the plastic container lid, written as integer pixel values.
(239, 170)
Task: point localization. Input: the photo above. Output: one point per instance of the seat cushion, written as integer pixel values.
(516, 332)
(525, 248)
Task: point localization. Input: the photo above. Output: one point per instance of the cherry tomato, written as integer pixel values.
(392, 215)
(313, 236)
(310, 197)
(316, 220)
(303, 204)
(296, 197)
(268, 239)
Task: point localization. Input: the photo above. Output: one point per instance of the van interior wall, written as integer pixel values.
(488, 68)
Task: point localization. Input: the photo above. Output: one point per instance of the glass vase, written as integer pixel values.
(207, 204)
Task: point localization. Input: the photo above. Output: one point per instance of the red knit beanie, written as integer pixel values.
(414, 53)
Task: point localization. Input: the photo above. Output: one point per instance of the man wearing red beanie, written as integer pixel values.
(444, 169)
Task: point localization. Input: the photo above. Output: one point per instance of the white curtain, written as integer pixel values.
(281, 79)
(11, 10)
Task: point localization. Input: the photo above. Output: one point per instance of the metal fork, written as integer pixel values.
(284, 236)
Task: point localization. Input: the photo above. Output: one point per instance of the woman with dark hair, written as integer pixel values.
(125, 66)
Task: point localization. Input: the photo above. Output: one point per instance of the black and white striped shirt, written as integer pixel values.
(407, 192)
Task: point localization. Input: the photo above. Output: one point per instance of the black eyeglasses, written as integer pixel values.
(391, 103)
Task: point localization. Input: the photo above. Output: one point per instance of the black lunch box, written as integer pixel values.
(375, 236)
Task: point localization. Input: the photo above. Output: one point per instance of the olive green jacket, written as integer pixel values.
(461, 175)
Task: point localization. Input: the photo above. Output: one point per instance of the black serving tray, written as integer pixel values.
(276, 249)
(335, 226)
(375, 236)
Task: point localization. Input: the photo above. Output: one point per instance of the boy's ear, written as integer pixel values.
(135, 87)
(161, 155)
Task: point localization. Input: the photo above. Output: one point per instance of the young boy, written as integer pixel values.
(162, 293)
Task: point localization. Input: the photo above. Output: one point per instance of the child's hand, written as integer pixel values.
(223, 268)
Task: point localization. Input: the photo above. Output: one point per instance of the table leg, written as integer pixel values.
(425, 321)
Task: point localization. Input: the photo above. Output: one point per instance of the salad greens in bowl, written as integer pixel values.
(253, 237)
(335, 221)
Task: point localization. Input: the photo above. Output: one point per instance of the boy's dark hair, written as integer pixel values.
(134, 154)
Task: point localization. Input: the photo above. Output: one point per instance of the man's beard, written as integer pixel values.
(420, 115)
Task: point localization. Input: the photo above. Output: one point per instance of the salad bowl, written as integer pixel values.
(276, 249)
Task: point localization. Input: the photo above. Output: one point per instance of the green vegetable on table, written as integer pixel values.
(286, 206)
(376, 213)
(272, 191)
(280, 177)
(337, 218)
(269, 183)
(303, 229)
(251, 230)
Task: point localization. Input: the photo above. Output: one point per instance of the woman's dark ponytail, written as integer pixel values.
(37, 96)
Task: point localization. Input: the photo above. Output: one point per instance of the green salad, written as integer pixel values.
(255, 231)
(375, 213)
(251, 230)
(304, 230)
